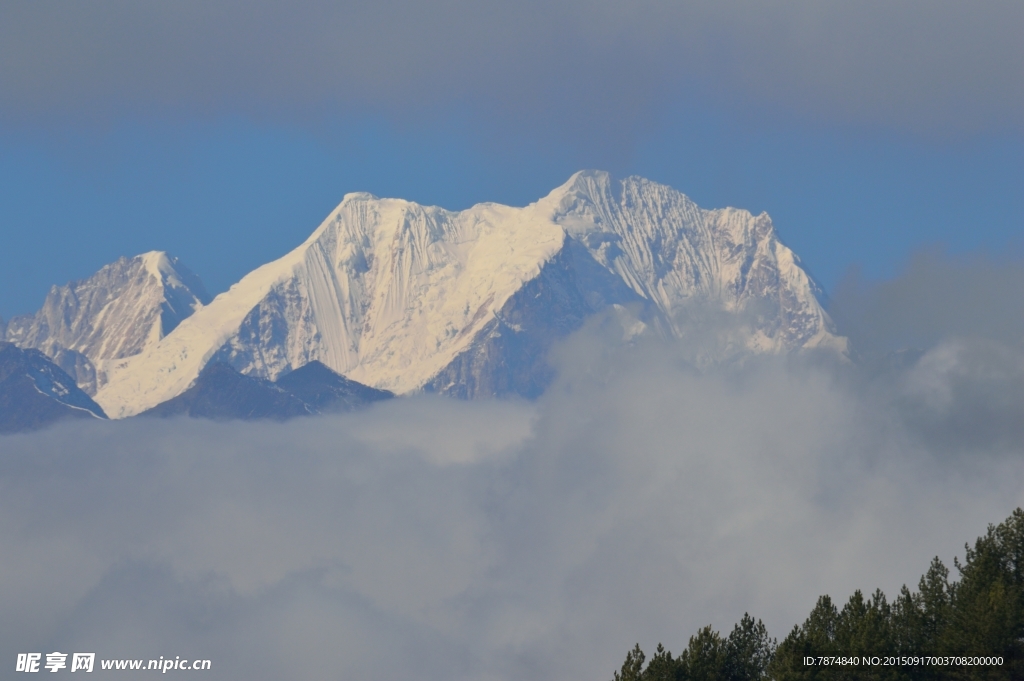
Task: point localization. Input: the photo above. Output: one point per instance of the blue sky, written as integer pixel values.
(865, 142)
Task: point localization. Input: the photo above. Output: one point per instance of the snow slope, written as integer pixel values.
(404, 297)
(671, 252)
(118, 312)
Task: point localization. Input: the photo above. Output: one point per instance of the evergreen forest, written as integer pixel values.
(941, 631)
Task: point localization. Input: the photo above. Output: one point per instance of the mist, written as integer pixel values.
(639, 499)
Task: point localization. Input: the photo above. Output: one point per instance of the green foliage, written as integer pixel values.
(749, 651)
(980, 614)
(743, 656)
(862, 627)
(631, 668)
(662, 667)
(987, 613)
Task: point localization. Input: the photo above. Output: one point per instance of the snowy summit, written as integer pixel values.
(405, 297)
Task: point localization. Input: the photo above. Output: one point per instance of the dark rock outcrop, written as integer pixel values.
(325, 391)
(222, 393)
(35, 393)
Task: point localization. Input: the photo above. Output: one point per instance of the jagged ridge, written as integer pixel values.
(118, 312)
(407, 297)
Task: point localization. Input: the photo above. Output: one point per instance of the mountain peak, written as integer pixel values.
(156, 262)
(118, 311)
(590, 175)
(583, 183)
(404, 297)
(325, 390)
(359, 196)
(159, 264)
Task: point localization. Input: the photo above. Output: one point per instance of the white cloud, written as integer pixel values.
(432, 539)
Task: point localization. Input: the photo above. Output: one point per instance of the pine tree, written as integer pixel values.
(704, 657)
(632, 667)
(987, 603)
(981, 614)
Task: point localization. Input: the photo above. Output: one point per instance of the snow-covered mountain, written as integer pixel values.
(406, 297)
(35, 392)
(118, 312)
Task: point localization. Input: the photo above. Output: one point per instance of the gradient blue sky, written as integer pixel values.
(224, 132)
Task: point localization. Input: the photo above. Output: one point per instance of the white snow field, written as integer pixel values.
(393, 294)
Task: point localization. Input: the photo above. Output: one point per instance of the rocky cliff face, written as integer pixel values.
(118, 312)
(35, 393)
(672, 254)
(646, 247)
(405, 297)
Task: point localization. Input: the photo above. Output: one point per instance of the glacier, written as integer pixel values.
(407, 298)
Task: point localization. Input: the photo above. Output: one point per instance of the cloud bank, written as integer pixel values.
(938, 66)
(638, 500)
(935, 297)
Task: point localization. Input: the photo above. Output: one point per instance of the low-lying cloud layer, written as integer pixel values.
(637, 501)
(922, 66)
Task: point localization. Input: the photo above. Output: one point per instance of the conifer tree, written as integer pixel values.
(979, 615)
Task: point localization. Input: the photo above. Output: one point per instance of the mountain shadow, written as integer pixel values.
(35, 392)
(221, 393)
(326, 391)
